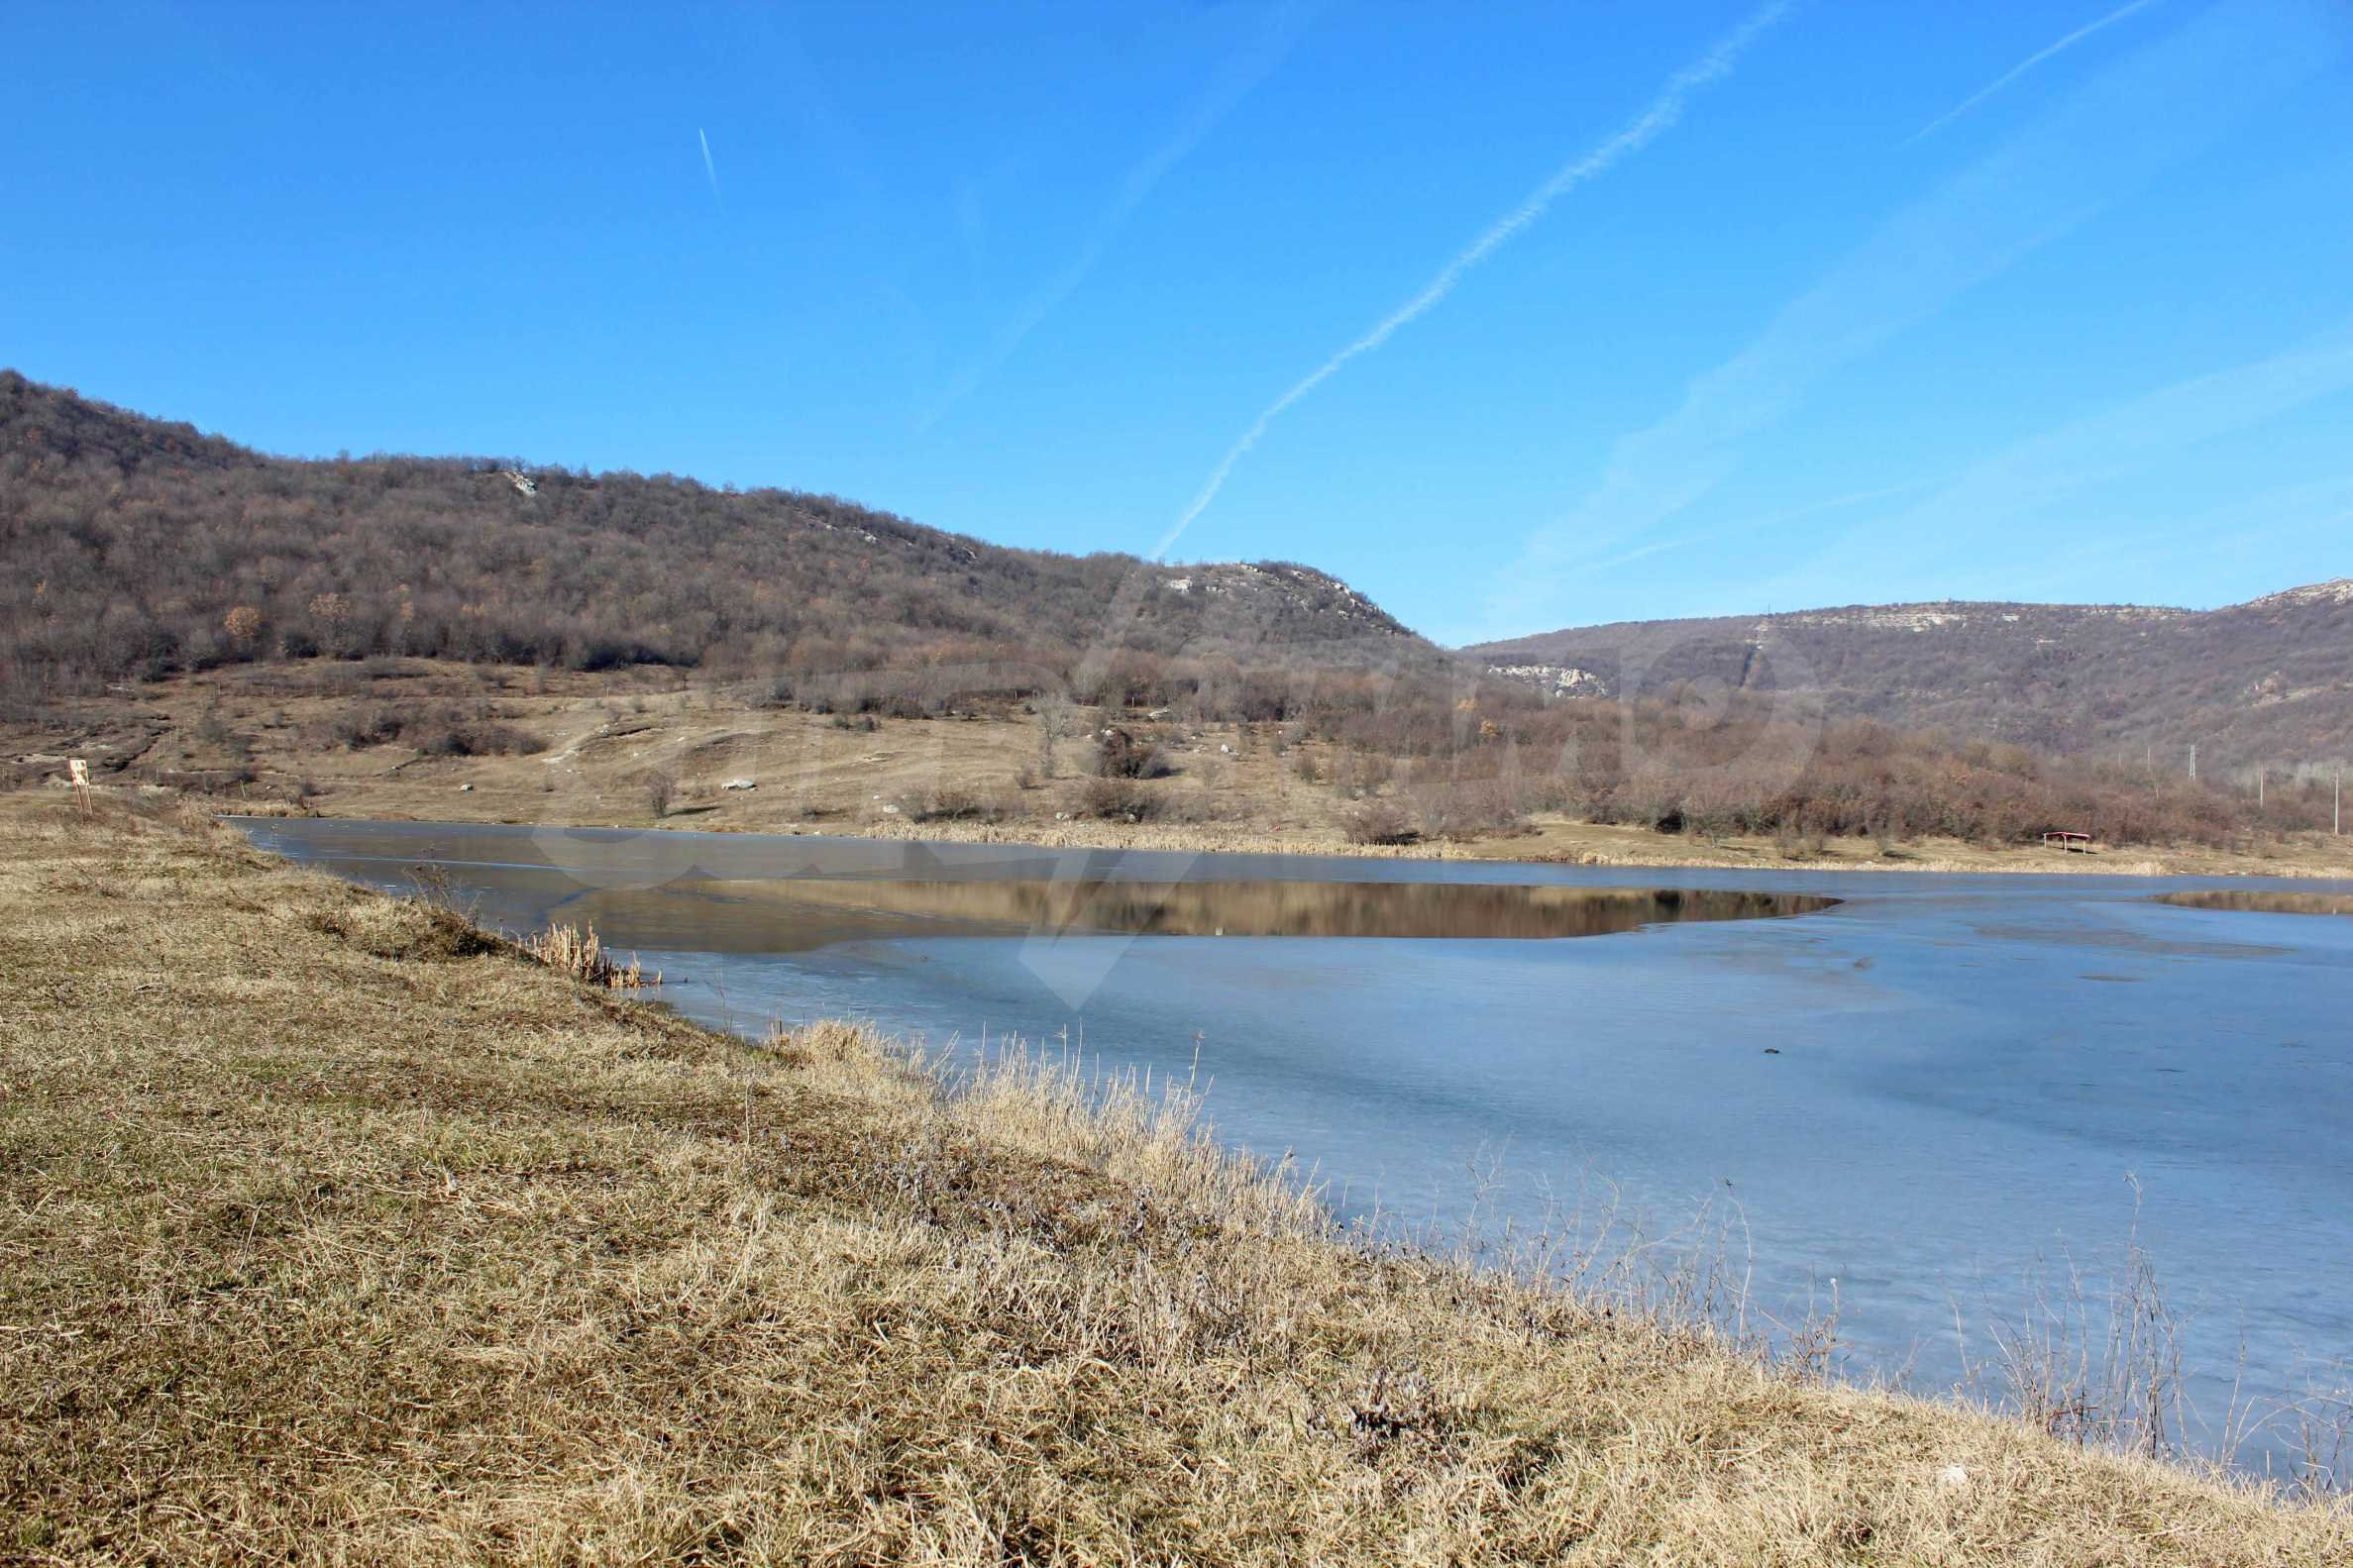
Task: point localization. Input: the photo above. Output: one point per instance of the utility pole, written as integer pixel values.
(2194, 760)
(2259, 772)
(2338, 826)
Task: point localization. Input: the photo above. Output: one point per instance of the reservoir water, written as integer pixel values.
(1937, 1101)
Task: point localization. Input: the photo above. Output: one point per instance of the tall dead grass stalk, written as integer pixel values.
(578, 951)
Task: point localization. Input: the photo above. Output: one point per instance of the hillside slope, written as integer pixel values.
(135, 553)
(2268, 681)
(133, 547)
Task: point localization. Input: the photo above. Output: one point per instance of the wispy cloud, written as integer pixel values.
(1771, 521)
(1654, 122)
(1749, 524)
(2025, 65)
(2112, 137)
(709, 168)
(2278, 537)
(1252, 65)
(1949, 531)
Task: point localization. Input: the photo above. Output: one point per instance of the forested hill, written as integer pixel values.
(134, 547)
(2268, 682)
(131, 546)
(132, 550)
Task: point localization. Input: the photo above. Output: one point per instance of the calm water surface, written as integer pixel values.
(1924, 1088)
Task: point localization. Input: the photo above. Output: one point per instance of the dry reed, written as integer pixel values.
(576, 951)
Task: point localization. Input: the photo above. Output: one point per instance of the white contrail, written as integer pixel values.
(2023, 67)
(1241, 75)
(1652, 122)
(2104, 140)
(708, 168)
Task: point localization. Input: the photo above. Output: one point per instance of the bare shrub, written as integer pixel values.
(1463, 807)
(1794, 841)
(1362, 773)
(376, 724)
(1118, 800)
(433, 730)
(1121, 754)
(1053, 722)
(479, 738)
(213, 731)
(956, 804)
(1378, 822)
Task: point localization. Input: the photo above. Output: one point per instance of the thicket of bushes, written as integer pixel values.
(1755, 767)
(1122, 754)
(434, 729)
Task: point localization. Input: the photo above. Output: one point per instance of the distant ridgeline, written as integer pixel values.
(2265, 683)
(134, 547)
(133, 550)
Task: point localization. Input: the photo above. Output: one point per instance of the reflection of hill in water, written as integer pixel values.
(2260, 902)
(776, 916)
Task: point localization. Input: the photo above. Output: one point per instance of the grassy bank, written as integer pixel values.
(334, 1233)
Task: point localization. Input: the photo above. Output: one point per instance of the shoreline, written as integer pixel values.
(356, 1235)
(1932, 858)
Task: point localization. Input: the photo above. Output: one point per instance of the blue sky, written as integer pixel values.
(1515, 316)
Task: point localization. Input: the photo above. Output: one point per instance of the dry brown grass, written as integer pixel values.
(324, 1243)
(2265, 902)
